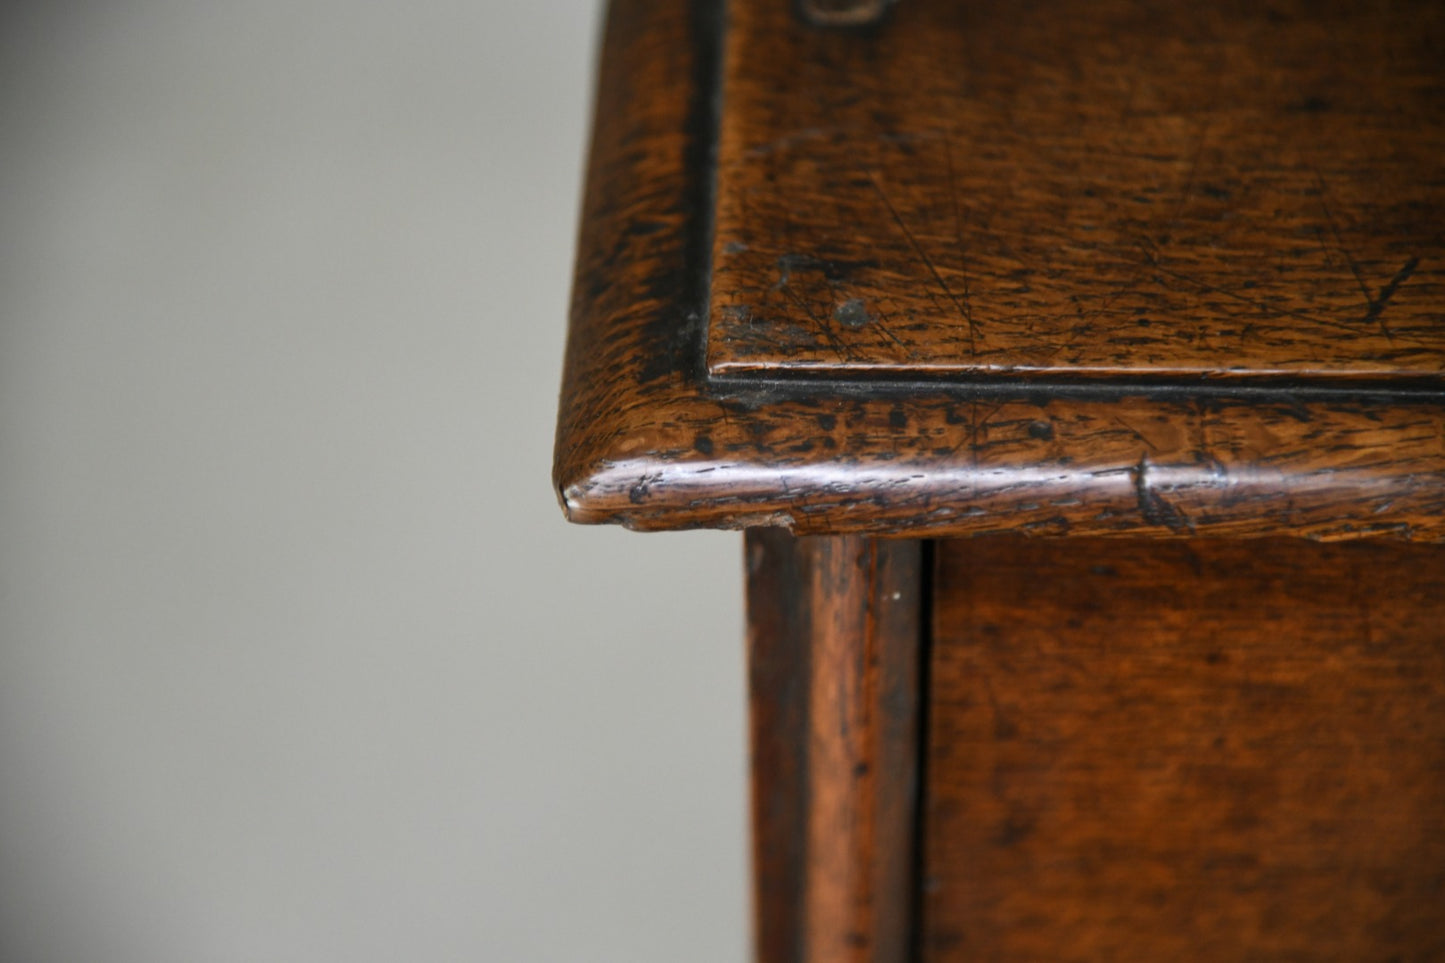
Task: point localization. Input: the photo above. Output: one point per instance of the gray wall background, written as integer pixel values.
(298, 660)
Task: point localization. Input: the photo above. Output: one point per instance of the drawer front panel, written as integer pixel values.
(1192, 750)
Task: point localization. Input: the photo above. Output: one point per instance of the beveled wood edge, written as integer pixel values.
(648, 440)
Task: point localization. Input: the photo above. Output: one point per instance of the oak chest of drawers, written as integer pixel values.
(1075, 371)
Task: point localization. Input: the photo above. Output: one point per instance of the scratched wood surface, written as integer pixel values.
(1208, 750)
(647, 438)
(1136, 189)
(834, 636)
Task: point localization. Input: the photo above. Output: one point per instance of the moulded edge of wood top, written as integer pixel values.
(1180, 498)
(646, 440)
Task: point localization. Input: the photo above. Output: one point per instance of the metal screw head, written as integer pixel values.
(843, 13)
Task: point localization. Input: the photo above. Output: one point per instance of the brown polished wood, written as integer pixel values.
(1131, 190)
(854, 274)
(648, 438)
(834, 633)
(1212, 750)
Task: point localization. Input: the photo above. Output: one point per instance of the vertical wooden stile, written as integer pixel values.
(834, 639)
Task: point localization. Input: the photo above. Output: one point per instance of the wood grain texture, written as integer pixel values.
(1128, 189)
(648, 438)
(834, 643)
(1210, 750)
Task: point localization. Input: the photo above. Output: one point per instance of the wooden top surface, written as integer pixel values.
(1330, 423)
(1112, 190)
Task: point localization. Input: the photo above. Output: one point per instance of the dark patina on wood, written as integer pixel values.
(1206, 750)
(1120, 190)
(1327, 425)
